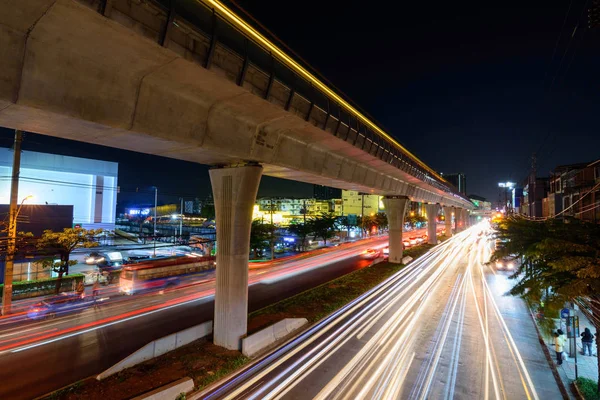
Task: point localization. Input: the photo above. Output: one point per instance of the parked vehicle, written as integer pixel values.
(61, 304)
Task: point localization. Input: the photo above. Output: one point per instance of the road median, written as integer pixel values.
(206, 363)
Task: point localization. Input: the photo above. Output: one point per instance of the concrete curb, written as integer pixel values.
(170, 391)
(555, 373)
(578, 394)
(406, 260)
(263, 339)
(159, 347)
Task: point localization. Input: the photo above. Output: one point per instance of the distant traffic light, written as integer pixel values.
(594, 14)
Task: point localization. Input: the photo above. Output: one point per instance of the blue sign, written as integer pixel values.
(565, 313)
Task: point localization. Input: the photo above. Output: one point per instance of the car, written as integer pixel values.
(386, 251)
(413, 241)
(406, 243)
(420, 239)
(53, 306)
(94, 258)
(371, 253)
(505, 264)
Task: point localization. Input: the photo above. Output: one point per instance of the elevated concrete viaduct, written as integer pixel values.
(140, 76)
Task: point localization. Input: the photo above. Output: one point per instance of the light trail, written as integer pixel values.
(125, 308)
(372, 347)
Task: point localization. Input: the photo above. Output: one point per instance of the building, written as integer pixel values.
(459, 181)
(357, 203)
(516, 195)
(480, 203)
(534, 191)
(321, 192)
(90, 186)
(284, 211)
(574, 192)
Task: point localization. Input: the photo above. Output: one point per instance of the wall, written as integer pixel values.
(90, 186)
(353, 204)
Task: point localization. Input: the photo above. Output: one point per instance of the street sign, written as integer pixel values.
(565, 313)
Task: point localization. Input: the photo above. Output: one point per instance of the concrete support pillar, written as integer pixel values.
(234, 194)
(432, 212)
(448, 220)
(395, 207)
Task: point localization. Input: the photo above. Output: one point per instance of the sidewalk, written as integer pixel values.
(587, 367)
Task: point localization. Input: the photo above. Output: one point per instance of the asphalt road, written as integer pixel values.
(42, 356)
(439, 329)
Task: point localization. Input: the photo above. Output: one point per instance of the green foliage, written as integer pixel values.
(561, 263)
(260, 237)
(208, 211)
(301, 230)
(588, 388)
(37, 285)
(323, 226)
(61, 244)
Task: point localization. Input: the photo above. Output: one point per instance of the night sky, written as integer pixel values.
(473, 88)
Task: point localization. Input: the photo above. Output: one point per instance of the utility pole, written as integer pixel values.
(272, 231)
(181, 218)
(12, 226)
(362, 216)
(304, 211)
(155, 206)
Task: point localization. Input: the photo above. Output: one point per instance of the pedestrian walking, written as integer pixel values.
(80, 288)
(587, 339)
(559, 343)
(95, 289)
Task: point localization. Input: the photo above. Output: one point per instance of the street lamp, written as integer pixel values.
(507, 186)
(10, 256)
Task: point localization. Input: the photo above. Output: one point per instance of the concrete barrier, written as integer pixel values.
(159, 347)
(170, 391)
(261, 340)
(406, 260)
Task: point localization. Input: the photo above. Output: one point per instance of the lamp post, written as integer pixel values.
(154, 232)
(10, 254)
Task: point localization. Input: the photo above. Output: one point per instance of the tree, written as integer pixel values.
(323, 226)
(348, 222)
(260, 237)
(61, 244)
(561, 263)
(301, 230)
(381, 221)
(208, 211)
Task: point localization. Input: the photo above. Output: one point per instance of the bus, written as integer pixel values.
(162, 273)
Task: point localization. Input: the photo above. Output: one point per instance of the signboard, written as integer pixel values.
(137, 211)
(565, 313)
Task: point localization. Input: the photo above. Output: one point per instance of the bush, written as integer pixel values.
(43, 285)
(588, 388)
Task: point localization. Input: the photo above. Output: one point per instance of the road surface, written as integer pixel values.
(42, 356)
(439, 329)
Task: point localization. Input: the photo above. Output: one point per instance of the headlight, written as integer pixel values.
(510, 266)
(498, 265)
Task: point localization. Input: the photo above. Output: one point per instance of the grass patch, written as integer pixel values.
(588, 388)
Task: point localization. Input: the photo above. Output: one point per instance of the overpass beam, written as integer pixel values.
(432, 212)
(448, 220)
(234, 193)
(395, 208)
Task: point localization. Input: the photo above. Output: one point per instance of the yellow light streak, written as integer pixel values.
(258, 37)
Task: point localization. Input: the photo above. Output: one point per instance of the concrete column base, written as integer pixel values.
(432, 211)
(448, 220)
(395, 207)
(234, 193)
